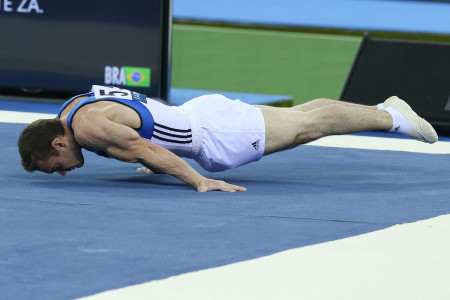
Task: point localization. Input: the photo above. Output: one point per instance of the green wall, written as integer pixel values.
(304, 65)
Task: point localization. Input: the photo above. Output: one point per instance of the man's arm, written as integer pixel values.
(124, 143)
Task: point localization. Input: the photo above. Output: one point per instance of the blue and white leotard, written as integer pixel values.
(167, 126)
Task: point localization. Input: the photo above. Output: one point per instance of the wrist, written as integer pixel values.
(199, 182)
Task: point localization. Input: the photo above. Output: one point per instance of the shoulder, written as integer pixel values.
(94, 130)
(70, 105)
(87, 127)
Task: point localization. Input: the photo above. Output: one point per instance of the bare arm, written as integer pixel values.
(125, 144)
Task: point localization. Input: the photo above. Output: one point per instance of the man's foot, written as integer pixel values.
(421, 129)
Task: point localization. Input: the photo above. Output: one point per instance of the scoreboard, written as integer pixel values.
(56, 48)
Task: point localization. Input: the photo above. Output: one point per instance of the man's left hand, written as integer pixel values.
(207, 185)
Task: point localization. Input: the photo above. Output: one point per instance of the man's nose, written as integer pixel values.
(63, 172)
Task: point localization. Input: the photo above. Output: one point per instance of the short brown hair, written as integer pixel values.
(35, 141)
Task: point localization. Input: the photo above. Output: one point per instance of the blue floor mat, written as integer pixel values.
(105, 226)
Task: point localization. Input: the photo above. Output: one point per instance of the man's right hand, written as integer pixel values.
(147, 170)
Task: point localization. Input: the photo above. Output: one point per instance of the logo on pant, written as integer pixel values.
(256, 144)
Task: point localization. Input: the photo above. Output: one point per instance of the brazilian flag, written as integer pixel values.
(137, 76)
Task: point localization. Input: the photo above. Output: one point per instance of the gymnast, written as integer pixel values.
(215, 131)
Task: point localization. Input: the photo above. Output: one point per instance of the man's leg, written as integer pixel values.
(289, 127)
(320, 102)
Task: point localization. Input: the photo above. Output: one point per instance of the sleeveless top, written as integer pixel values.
(167, 126)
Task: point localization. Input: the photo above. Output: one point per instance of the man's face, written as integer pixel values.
(68, 157)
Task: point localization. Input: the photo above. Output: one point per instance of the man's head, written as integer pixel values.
(44, 145)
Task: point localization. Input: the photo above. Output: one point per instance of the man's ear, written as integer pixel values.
(58, 142)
